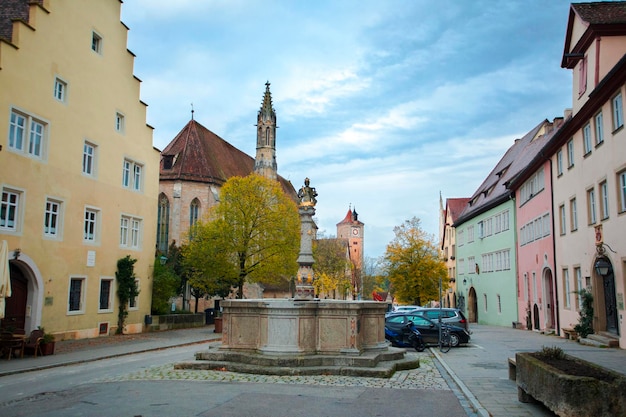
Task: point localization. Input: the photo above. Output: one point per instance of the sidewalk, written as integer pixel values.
(84, 350)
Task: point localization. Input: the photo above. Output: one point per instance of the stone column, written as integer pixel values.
(306, 209)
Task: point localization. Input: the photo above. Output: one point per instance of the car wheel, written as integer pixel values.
(454, 339)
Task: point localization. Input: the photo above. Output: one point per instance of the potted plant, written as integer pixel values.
(47, 343)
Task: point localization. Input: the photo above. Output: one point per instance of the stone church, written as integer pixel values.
(195, 165)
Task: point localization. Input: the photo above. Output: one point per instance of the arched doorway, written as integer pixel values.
(472, 306)
(536, 322)
(604, 295)
(15, 307)
(548, 296)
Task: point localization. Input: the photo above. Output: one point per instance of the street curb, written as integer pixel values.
(480, 410)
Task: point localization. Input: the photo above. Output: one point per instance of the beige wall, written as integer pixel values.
(98, 86)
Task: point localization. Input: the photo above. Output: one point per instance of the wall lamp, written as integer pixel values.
(464, 281)
(602, 267)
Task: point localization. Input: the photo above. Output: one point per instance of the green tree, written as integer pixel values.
(165, 285)
(331, 268)
(413, 265)
(126, 288)
(372, 277)
(252, 235)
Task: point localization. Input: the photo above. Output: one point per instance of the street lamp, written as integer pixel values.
(602, 267)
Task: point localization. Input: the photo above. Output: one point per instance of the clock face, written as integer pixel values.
(355, 232)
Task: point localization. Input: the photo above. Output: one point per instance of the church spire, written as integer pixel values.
(265, 160)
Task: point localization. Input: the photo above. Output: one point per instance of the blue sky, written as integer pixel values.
(382, 104)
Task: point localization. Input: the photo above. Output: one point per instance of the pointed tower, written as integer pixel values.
(350, 230)
(265, 160)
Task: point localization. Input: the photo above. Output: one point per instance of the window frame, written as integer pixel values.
(587, 146)
(81, 296)
(559, 162)
(110, 298)
(566, 288)
(16, 208)
(570, 153)
(573, 214)
(604, 200)
(617, 110)
(96, 42)
(60, 94)
(562, 220)
(91, 158)
(132, 175)
(120, 122)
(592, 213)
(55, 217)
(30, 138)
(131, 232)
(599, 128)
(96, 221)
(621, 191)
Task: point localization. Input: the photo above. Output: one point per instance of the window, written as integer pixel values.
(566, 292)
(76, 295)
(27, 134)
(587, 138)
(485, 299)
(90, 225)
(591, 205)
(10, 210)
(119, 122)
(573, 214)
(559, 162)
(52, 218)
(570, 153)
(106, 295)
(599, 129)
(562, 226)
(499, 304)
(96, 42)
(60, 90)
(470, 234)
(582, 76)
(618, 111)
(130, 232)
(578, 285)
(461, 266)
(622, 191)
(471, 265)
(132, 175)
(163, 221)
(89, 159)
(604, 200)
(132, 303)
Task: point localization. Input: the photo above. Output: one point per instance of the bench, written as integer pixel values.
(570, 333)
(512, 369)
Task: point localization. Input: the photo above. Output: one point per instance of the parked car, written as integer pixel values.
(428, 328)
(452, 316)
(401, 310)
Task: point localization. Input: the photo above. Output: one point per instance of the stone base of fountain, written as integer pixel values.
(304, 337)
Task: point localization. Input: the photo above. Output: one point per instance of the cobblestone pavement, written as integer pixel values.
(427, 376)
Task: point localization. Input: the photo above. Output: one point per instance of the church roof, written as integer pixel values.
(455, 207)
(199, 155)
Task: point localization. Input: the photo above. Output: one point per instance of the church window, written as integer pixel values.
(163, 223)
(267, 136)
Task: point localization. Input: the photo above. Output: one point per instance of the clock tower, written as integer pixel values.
(350, 230)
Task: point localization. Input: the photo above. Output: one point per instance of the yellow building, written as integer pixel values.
(78, 171)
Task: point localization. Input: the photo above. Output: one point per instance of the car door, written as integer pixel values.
(428, 329)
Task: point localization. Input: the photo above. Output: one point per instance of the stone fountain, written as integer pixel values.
(304, 335)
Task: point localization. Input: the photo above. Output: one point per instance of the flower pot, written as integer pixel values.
(47, 348)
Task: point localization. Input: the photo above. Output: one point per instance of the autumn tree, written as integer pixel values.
(331, 267)
(413, 265)
(252, 235)
(373, 280)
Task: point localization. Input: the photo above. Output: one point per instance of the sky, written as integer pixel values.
(384, 105)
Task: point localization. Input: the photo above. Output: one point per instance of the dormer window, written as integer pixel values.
(168, 161)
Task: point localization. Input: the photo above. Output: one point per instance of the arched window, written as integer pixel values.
(163, 223)
(267, 136)
(194, 212)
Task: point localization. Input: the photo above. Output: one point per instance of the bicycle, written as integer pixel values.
(445, 342)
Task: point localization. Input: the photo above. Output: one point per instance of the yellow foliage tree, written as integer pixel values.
(331, 268)
(252, 235)
(413, 265)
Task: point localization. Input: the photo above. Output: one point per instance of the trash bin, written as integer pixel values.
(147, 319)
(209, 315)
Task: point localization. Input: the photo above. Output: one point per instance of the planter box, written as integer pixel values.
(569, 395)
(47, 348)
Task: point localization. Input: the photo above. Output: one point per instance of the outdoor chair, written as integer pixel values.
(33, 343)
(10, 344)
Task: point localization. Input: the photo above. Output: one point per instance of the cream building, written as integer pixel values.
(78, 171)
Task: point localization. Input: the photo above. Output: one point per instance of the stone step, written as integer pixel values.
(601, 339)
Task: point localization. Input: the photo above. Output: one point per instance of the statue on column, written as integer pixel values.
(307, 194)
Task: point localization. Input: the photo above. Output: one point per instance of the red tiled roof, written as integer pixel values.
(197, 154)
(455, 207)
(351, 218)
(600, 13)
